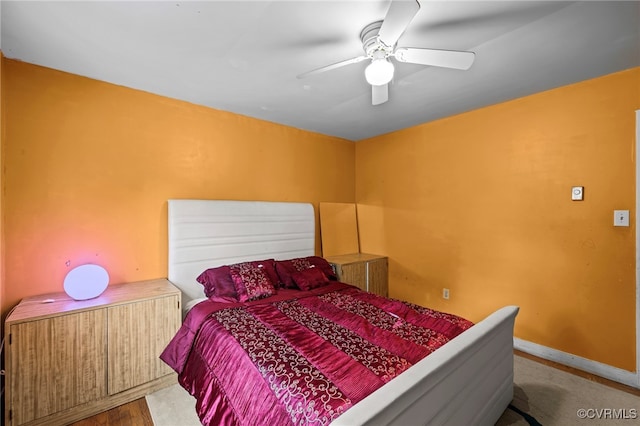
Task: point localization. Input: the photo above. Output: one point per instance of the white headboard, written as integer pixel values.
(208, 233)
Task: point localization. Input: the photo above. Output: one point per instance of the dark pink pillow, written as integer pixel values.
(285, 268)
(251, 281)
(320, 262)
(217, 282)
(310, 278)
(269, 266)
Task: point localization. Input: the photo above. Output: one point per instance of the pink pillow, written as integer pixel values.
(285, 268)
(310, 278)
(251, 281)
(217, 282)
(269, 266)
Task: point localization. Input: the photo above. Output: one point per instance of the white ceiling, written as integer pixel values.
(244, 56)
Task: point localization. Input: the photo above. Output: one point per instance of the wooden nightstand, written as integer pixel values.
(67, 360)
(369, 272)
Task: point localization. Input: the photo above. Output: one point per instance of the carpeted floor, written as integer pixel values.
(173, 406)
(543, 395)
(548, 396)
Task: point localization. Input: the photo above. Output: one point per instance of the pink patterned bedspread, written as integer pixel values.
(300, 357)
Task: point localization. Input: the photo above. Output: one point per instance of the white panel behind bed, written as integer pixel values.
(209, 233)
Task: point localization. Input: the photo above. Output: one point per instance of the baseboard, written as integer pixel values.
(594, 367)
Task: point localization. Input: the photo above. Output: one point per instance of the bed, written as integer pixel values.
(466, 380)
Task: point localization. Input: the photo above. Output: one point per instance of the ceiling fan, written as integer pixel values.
(379, 41)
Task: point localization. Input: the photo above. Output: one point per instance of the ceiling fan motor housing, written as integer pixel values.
(371, 43)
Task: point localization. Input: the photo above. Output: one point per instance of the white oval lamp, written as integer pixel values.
(86, 282)
(379, 72)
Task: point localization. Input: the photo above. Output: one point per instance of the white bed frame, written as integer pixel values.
(468, 381)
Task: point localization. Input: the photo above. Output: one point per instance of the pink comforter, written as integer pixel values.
(300, 357)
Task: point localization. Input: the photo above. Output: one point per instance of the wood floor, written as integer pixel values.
(136, 413)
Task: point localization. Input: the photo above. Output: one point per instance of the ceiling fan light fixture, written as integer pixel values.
(379, 72)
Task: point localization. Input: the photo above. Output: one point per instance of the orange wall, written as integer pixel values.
(480, 203)
(90, 166)
(1, 186)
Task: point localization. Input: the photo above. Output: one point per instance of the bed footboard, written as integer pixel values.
(467, 381)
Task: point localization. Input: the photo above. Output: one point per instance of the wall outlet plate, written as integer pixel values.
(577, 193)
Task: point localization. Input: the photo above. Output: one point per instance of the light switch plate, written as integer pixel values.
(577, 193)
(621, 218)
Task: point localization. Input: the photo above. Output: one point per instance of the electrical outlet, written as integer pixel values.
(577, 193)
(445, 293)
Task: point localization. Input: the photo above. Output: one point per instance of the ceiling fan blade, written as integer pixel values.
(379, 94)
(399, 15)
(332, 66)
(435, 57)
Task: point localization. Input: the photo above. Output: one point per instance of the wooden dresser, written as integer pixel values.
(369, 272)
(66, 360)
